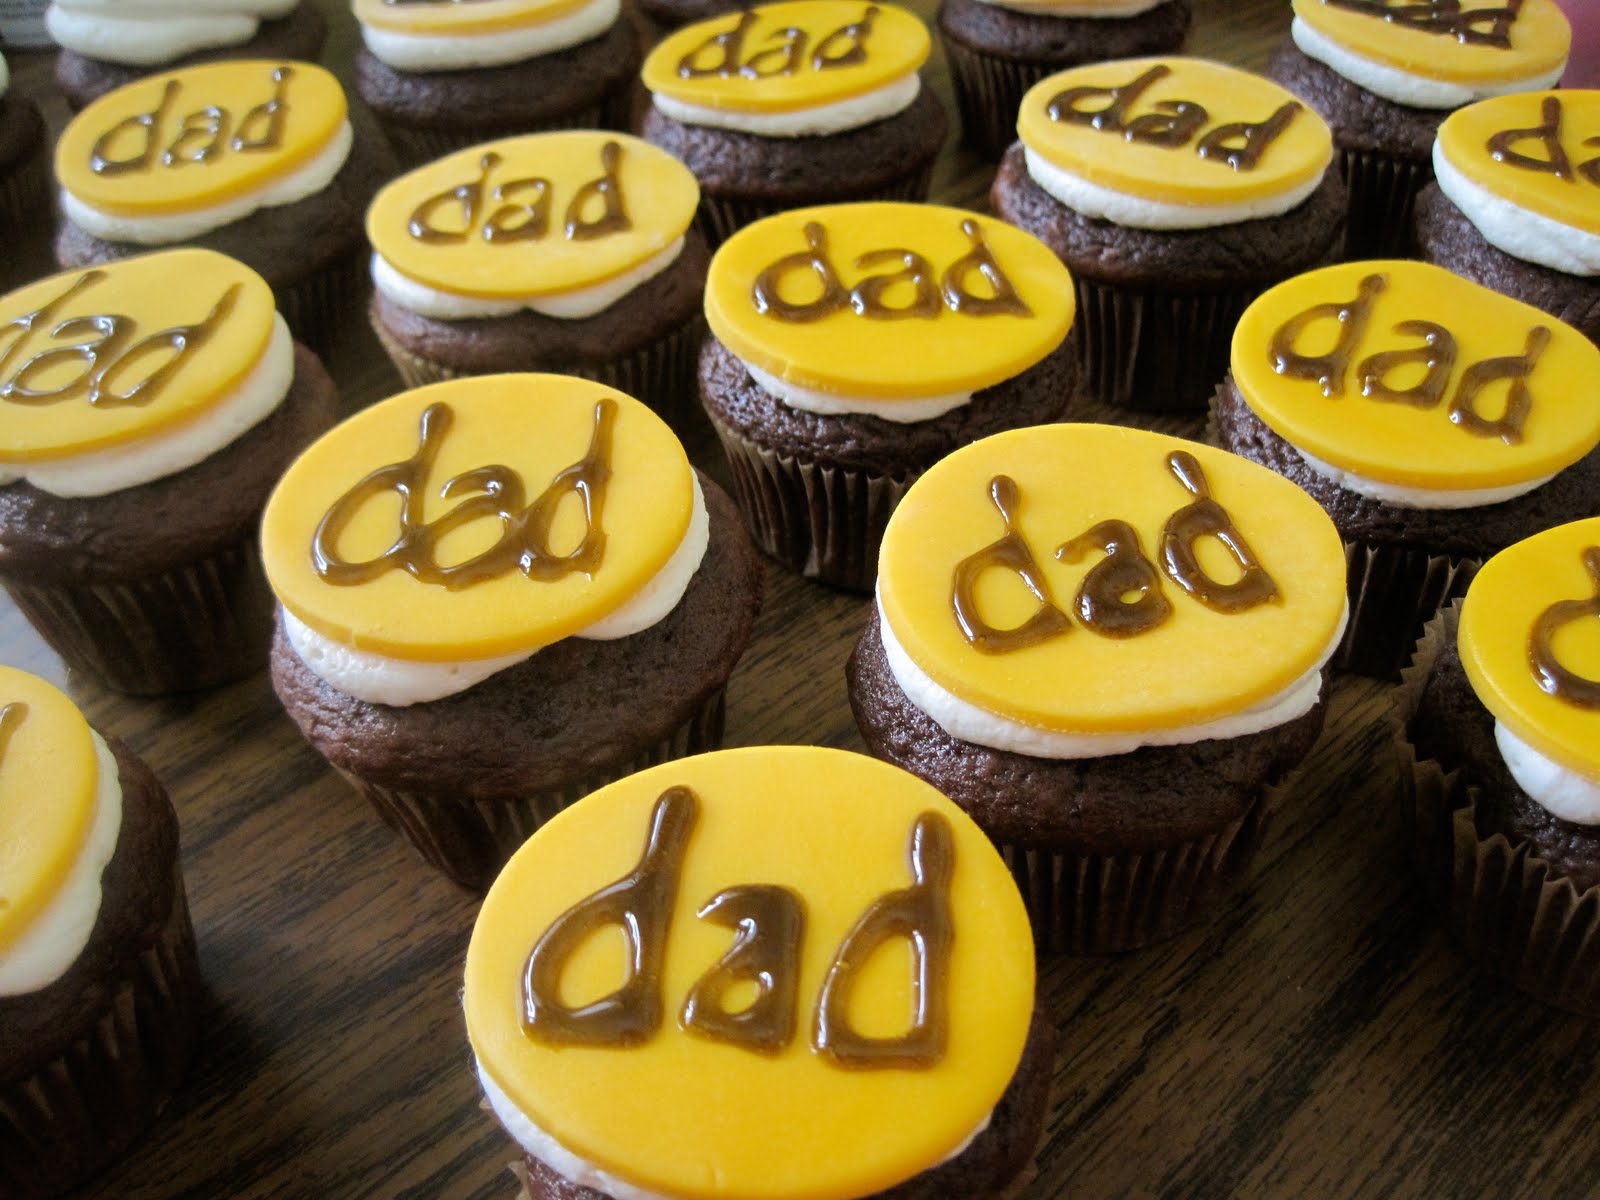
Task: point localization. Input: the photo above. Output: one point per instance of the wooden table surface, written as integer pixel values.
(1318, 1036)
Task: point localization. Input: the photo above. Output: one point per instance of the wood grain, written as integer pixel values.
(1319, 1037)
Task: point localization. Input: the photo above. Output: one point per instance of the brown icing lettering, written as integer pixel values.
(1470, 26)
(640, 904)
(1241, 144)
(460, 213)
(1010, 552)
(1330, 369)
(1553, 675)
(1102, 602)
(1515, 369)
(1547, 134)
(1003, 300)
(491, 492)
(1206, 518)
(200, 137)
(723, 54)
(771, 926)
(1437, 354)
(1066, 105)
(845, 46)
(11, 718)
(921, 915)
(607, 189)
(867, 297)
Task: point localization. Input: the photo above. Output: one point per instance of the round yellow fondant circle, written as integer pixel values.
(657, 193)
(1506, 599)
(146, 296)
(705, 1120)
(1385, 440)
(1572, 197)
(1197, 666)
(908, 357)
(535, 425)
(144, 122)
(1175, 174)
(48, 779)
(897, 44)
(450, 18)
(1539, 36)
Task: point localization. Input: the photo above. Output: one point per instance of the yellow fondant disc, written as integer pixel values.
(507, 448)
(198, 137)
(534, 216)
(453, 18)
(1414, 437)
(98, 358)
(701, 1118)
(1195, 664)
(1175, 131)
(48, 778)
(888, 301)
(789, 56)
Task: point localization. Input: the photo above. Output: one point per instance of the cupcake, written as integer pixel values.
(1385, 75)
(106, 44)
(147, 424)
(557, 600)
(1176, 191)
(998, 49)
(442, 75)
(1107, 646)
(853, 346)
(1502, 715)
(1516, 205)
(829, 990)
(568, 252)
(1437, 422)
(24, 187)
(283, 190)
(99, 986)
(804, 102)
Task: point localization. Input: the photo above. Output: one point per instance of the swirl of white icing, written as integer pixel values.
(817, 121)
(1417, 497)
(1562, 792)
(1087, 10)
(145, 33)
(834, 404)
(423, 52)
(1530, 236)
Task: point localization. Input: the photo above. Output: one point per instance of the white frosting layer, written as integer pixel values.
(803, 122)
(422, 52)
(151, 32)
(1136, 212)
(380, 679)
(55, 938)
(163, 230)
(961, 719)
(1415, 497)
(1530, 236)
(168, 451)
(567, 306)
(1405, 87)
(1078, 9)
(1566, 794)
(902, 412)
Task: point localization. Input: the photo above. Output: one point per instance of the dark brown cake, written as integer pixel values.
(25, 207)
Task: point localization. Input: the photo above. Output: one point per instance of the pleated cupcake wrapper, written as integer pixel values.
(1383, 190)
(1393, 591)
(319, 308)
(720, 217)
(469, 840)
(989, 91)
(196, 626)
(83, 1108)
(1512, 912)
(414, 145)
(25, 223)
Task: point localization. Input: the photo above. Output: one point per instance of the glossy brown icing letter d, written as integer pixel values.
(1554, 676)
(1206, 518)
(1473, 26)
(1009, 552)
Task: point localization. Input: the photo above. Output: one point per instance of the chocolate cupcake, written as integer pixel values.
(998, 49)
(792, 104)
(1437, 422)
(25, 212)
(567, 252)
(443, 75)
(1384, 76)
(853, 346)
(155, 401)
(1501, 720)
(99, 986)
(107, 44)
(1121, 730)
(767, 1033)
(561, 603)
(1516, 205)
(1176, 191)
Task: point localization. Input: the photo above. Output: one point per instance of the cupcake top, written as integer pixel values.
(1171, 143)
(898, 310)
(798, 68)
(60, 813)
(1359, 364)
(1525, 171)
(150, 32)
(1436, 55)
(453, 35)
(452, 531)
(1074, 591)
(116, 378)
(1530, 643)
(759, 1046)
(564, 224)
(173, 156)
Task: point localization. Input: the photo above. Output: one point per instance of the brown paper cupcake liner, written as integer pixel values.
(196, 626)
(319, 308)
(470, 840)
(720, 217)
(1393, 591)
(989, 91)
(83, 1108)
(1382, 191)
